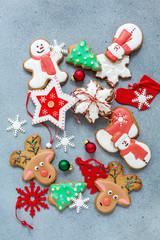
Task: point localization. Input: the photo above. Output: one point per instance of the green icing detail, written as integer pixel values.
(59, 192)
(81, 55)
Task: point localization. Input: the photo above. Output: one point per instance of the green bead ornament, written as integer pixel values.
(64, 165)
(81, 55)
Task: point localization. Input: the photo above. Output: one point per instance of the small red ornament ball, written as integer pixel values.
(78, 76)
(89, 146)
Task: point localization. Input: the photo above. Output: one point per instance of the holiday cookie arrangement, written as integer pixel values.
(93, 102)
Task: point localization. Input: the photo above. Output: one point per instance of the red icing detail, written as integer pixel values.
(91, 171)
(44, 173)
(58, 104)
(125, 124)
(25, 200)
(106, 201)
(124, 201)
(124, 37)
(46, 63)
(127, 49)
(125, 96)
(110, 55)
(114, 167)
(137, 150)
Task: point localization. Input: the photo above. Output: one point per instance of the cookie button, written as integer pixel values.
(50, 104)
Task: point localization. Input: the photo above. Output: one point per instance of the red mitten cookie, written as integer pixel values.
(141, 94)
(122, 120)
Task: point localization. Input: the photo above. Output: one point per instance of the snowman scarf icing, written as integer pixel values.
(46, 63)
(138, 151)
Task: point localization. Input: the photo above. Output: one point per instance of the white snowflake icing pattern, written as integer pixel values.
(52, 95)
(113, 70)
(44, 111)
(43, 99)
(64, 141)
(16, 125)
(91, 108)
(55, 114)
(120, 119)
(79, 203)
(61, 102)
(58, 48)
(142, 99)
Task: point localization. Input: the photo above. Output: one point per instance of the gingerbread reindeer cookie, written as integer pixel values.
(44, 63)
(35, 161)
(115, 189)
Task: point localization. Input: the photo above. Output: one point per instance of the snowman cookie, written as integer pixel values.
(44, 63)
(136, 154)
(128, 38)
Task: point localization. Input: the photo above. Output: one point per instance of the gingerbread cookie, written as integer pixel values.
(115, 189)
(35, 161)
(44, 63)
(93, 100)
(113, 70)
(81, 54)
(128, 38)
(122, 120)
(63, 192)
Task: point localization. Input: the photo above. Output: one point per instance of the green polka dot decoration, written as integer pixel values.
(62, 192)
(82, 55)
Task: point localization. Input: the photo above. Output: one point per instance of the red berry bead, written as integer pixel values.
(78, 76)
(89, 146)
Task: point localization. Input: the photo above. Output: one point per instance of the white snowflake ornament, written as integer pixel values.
(113, 70)
(79, 203)
(58, 48)
(93, 101)
(16, 125)
(64, 141)
(142, 98)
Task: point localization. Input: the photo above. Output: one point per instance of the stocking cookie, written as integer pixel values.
(81, 54)
(136, 154)
(44, 63)
(128, 38)
(122, 120)
(35, 161)
(93, 100)
(113, 70)
(115, 189)
(62, 193)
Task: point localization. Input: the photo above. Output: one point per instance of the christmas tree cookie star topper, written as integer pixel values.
(81, 54)
(51, 104)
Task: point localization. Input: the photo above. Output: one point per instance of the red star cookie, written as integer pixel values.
(51, 104)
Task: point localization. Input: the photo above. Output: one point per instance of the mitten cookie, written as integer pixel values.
(35, 161)
(44, 63)
(122, 120)
(115, 189)
(128, 38)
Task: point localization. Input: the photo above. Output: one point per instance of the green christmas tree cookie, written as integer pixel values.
(81, 55)
(61, 193)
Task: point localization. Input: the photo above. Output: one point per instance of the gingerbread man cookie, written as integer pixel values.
(115, 189)
(128, 38)
(35, 161)
(44, 63)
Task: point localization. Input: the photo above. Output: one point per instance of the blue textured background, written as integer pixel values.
(21, 22)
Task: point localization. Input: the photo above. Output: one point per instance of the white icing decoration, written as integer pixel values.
(16, 125)
(133, 43)
(92, 110)
(142, 99)
(79, 203)
(113, 70)
(40, 77)
(62, 112)
(64, 141)
(130, 158)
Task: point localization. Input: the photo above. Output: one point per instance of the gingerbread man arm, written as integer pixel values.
(28, 64)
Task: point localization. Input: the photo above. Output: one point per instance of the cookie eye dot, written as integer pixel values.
(41, 164)
(115, 197)
(109, 192)
(41, 44)
(37, 46)
(36, 168)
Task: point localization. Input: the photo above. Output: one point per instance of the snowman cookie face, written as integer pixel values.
(124, 144)
(39, 47)
(116, 50)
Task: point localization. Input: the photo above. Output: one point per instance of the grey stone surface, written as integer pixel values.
(70, 21)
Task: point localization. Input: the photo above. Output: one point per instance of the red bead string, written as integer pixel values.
(51, 138)
(93, 99)
(146, 83)
(24, 223)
